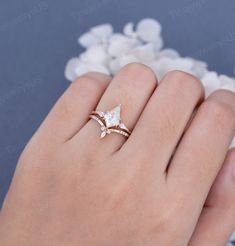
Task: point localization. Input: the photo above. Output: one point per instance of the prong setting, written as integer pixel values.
(110, 121)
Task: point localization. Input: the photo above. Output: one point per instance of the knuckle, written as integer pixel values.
(220, 112)
(184, 82)
(224, 101)
(225, 96)
(138, 72)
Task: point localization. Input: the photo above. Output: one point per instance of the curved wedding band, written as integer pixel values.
(110, 121)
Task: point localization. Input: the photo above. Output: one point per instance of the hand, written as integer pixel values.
(73, 188)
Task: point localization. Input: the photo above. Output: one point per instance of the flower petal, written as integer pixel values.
(227, 83)
(103, 31)
(120, 45)
(96, 55)
(211, 82)
(171, 53)
(149, 30)
(144, 53)
(88, 39)
(128, 29)
(70, 70)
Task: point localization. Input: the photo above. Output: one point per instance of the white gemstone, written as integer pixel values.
(101, 114)
(112, 117)
(123, 126)
(103, 134)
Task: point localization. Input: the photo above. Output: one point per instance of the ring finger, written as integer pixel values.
(132, 88)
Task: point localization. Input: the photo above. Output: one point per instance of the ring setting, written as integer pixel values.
(110, 122)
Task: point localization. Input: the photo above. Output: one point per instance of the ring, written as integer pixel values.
(110, 121)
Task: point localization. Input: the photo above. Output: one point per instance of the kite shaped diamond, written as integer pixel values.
(113, 117)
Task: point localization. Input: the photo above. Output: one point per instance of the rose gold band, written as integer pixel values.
(115, 129)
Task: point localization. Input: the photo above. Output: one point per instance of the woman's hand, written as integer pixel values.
(73, 188)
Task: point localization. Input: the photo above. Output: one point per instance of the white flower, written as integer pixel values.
(70, 70)
(88, 40)
(149, 30)
(116, 64)
(199, 69)
(96, 55)
(233, 236)
(124, 60)
(166, 64)
(108, 52)
(120, 45)
(75, 68)
(97, 35)
(170, 53)
(211, 82)
(128, 30)
(102, 31)
(233, 145)
(227, 83)
(144, 53)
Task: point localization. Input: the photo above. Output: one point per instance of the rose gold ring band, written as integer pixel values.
(110, 122)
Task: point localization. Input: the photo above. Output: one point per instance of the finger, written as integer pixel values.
(71, 111)
(217, 220)
(164, 119)
(131, 88)
(202, 150)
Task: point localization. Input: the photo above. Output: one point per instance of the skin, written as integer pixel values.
(170, 183)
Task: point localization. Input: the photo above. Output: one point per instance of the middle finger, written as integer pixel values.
(164, 119)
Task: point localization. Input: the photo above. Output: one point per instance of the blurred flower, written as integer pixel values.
(108, 52)
(97, 35)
